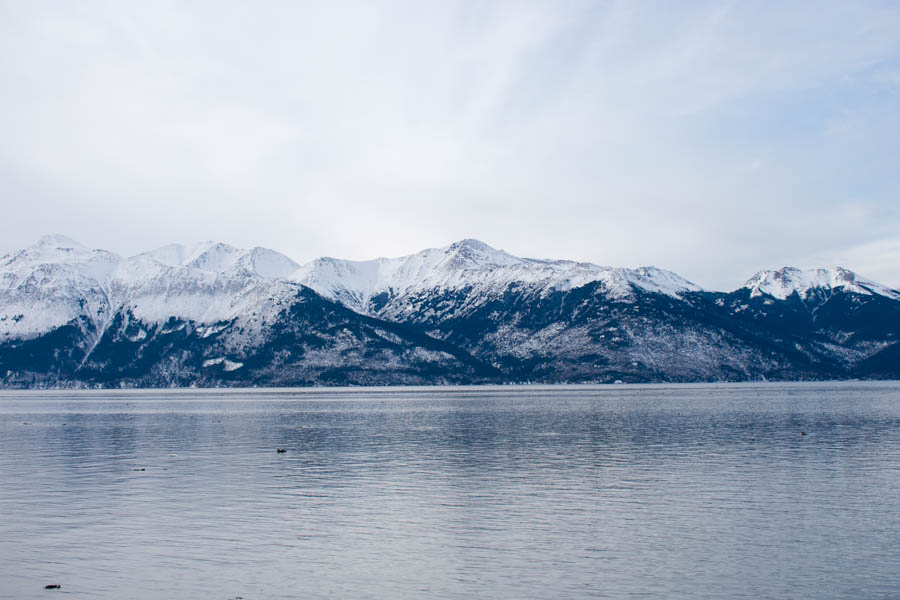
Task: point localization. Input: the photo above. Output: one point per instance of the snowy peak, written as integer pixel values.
(787, 281)
(56, 253)
(51, 283)
(206, 282)
(356, 282)
(268, 263)
(60, 242)
(176, 255)
(661, 281)
(48, 249)
(57, 281)
(475, 254)
(477, 267)
(348, 281)
(216, 257)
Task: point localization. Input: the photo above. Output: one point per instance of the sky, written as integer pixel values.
(714, 139)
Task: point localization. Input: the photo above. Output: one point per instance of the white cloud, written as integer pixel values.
(713, 139)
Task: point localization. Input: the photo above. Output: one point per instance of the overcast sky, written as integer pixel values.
(710, 138)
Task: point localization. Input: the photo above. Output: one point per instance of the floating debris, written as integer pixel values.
(281, 450)
(52, 586)
(139, 469)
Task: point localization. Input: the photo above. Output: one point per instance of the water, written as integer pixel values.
(687, 491)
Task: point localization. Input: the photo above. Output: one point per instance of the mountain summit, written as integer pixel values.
(790, 280)
(369, 286)
(211, 314)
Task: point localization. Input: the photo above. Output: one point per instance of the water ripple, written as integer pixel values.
(737, 491)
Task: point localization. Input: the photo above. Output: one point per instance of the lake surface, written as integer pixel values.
(663, 491)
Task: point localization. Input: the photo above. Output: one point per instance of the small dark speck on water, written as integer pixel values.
(140, 469)
(281, 450)
(52, 586)
(802, 433)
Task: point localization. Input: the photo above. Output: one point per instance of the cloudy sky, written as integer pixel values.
(710, 138)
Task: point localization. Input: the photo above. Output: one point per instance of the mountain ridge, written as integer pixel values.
(476, 252)
(209, 314)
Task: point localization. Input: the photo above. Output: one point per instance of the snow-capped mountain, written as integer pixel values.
(221, 258)
(393, 285)
(784, 282)
(212, 314)
(52, 283)
(58, 280)
(190, 315)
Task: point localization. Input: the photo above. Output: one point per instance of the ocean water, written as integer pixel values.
(663, 491)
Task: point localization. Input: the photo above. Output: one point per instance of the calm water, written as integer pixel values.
(706, 491)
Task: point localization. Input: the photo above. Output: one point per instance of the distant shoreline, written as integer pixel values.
(461, 387)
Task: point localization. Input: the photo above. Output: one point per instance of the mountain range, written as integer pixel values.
(214, 315)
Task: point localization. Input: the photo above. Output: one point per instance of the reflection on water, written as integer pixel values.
(708, 491)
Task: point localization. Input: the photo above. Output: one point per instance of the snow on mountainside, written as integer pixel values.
(49, 284)
(784, 282)
(471, 264)
(58, 280)
(212, 314)
(221, 258)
